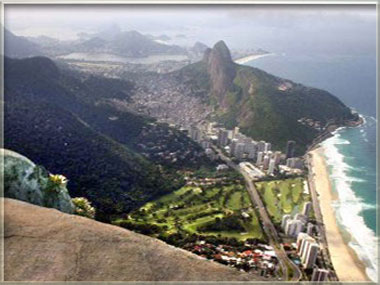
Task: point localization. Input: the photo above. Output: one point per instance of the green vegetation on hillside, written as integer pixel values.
(265, 107)
(283, 197)
(58, 119)
(224, 211)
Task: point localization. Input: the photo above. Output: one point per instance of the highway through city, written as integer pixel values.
(268, 226)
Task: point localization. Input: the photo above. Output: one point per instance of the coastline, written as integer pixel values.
(341, 254)
(249, 58)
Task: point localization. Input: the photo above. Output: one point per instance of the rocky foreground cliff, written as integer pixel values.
(44, 244)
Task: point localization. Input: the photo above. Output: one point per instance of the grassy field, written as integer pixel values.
(283, 197)
(191, 209)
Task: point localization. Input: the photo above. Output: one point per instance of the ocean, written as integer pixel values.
(351, 153)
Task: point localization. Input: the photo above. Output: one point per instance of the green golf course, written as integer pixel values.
(224, 211)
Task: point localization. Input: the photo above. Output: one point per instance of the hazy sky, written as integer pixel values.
(320, 29)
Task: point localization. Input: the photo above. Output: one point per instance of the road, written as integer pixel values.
(319, 218)
(268, 226)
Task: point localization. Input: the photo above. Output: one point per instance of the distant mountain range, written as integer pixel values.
(65, 121)
(109, 41)
(128, 44)
(264, 106)
(122, 43)
(15, 46)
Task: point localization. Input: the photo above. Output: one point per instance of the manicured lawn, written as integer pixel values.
(191, 207)
(283, 197)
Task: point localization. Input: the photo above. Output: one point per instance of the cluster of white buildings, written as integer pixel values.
(308, 250)
(293, 226)
(242, 147)
(307, 247)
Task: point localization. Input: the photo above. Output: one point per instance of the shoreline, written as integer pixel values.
(347, 264)
(246, 59)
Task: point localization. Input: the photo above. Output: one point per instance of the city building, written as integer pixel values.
(294, 162)
(285, 218)
(306, 209)
(223, 137)
(252, 153)
(195, 134)
(309, 229)
(288, 170)
(233, 144)
(230, 134)
(249, 146)
(261, 146)
(272, 164)
(239, 151)
(300, 239)
(260, 157)
(252, 171)
(266, 161)
(290, 148)
(210, 153)
(267, 146)
(301, 217)
(210, 127)
(303, 239)
(236, 131)
(205, 144)
(222, 167)
(293, 228)
(277, 157)
(320, 274)
(310, 254)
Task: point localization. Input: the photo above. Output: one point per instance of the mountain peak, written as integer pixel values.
(221, 69)
(221, 48)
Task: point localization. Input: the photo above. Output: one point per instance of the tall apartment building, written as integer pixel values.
(223, 137)
(277, 157)
(284, 220)
(309, 229)
(307, 250)
(310, 254)
(294, 162)
(252, 153)
(267, 146)
(290, 148)
(306, 209)
(260, 158)
(239, 150)
(320, 274)
(261, 146)
(272, 164)
(195, 134)
(293, 228)
(266, 161)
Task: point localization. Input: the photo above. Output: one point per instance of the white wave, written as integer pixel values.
(373, 119)
(368, 121)
(369, 207)
(342, 141)
(349, 207)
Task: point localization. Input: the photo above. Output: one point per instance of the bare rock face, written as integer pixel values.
(44, 244)
(221, 69)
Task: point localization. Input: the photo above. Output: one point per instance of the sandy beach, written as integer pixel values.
(249, 58)
(347, 265)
